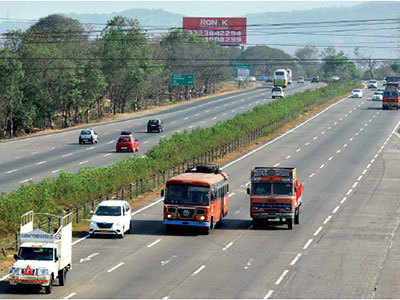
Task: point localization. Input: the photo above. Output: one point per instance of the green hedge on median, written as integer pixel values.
(72, 190)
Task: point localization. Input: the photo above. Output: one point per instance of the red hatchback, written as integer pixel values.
(127, 143)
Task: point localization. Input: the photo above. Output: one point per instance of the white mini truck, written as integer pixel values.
(42, 257)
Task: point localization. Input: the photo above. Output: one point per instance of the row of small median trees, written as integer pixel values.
(171, 156)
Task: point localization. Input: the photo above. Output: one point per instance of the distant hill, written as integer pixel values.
(277, 37)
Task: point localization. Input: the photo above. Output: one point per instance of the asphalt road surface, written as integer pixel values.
(347, 245)
(45, 156)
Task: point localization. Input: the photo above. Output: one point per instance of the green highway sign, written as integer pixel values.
(182, 79)
(241, 70)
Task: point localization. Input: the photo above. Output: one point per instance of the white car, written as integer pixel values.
(252, 79)
(300, 80)
(277, 92)
(373, 84)
(356, 93)
(112, 217)
(378, 95)
(88, 136)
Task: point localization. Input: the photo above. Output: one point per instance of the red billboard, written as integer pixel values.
(227, 31)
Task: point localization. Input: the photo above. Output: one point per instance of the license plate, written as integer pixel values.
(124, 148)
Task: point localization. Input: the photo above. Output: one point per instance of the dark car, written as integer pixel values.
(155, 125)
(315, 79)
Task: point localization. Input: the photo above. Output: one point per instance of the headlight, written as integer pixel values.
(43, 271)
(92, 223)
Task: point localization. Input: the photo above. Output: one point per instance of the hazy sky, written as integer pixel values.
(36, 9)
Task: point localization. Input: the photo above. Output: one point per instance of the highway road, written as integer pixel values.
(347, 244)
(37, 157)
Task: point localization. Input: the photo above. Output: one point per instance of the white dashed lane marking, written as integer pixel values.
(307, 244)
(293, 262)
(116, 267)
(327, 219)
(281, 277)
(198, 270)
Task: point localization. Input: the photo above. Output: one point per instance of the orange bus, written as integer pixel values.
(198, 197)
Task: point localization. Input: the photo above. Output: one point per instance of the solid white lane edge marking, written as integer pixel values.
(70, 295)
(26, 180)
(336, 209)
(108, 154)
(318, 231)
(315, 137)
(323, 165)
(306, 144)
(214, 118)
(198, 270)
(277, 164)
(307, 244)
(293, 262)
(115, 267)
(90, 148)
(339, 151)
(327, 219)
(281, 277)
(311, 175)
(153, 243)
(349, 192)
(56, 171)
(147, 206)
(298, 149)
(11, 171)
(41, 162)
(145, 142)
(110, 142)
(343, 200)
(269, 294)
(227, 246)
(359, 177)
(330, 158)
(68, 154)
(83, 162)
(187, 118)
(354, 184)
(80, 240)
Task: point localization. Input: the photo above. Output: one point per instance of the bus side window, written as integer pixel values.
(213, 195)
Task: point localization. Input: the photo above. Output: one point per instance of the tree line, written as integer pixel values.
(57, 74)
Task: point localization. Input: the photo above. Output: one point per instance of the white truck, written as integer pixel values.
(42, 257)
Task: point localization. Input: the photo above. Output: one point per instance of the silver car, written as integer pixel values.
(88, 136)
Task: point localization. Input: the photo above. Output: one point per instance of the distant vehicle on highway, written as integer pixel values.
(155, 125)
(392, 78)
(88, 136)
(300, 80)
(275, 195)
(281, 78)
(315, 79)
(372, 84)
(335, 78)
(252, 79)
(378, 95)
(277, 92)
(111, 217)
(127, 143)
(357, 93)
(197, 198)
(391, 95)
(125, 132)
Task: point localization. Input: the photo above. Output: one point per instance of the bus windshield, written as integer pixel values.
(187, 194)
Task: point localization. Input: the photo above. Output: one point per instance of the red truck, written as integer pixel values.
(275, 194)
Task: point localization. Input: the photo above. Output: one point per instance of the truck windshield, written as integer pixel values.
(261, 188)
(187, 194)
(281, 188)
(28, 253)
(108, 211)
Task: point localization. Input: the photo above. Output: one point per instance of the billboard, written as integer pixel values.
(227, 31)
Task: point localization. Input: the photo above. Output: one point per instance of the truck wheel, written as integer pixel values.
(62, 277)
(131, 227)
(49, 287)
(297, 217)
(290, 223)
(256, 224)
(168, 229)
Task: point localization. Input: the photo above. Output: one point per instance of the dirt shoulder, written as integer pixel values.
(225, 89)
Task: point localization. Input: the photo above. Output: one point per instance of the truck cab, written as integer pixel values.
(275, 195)
(42, 257)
